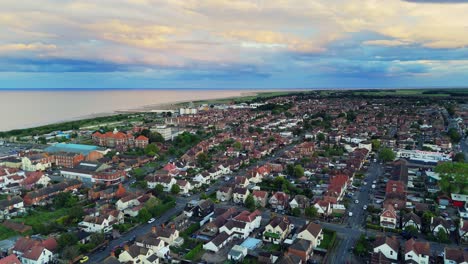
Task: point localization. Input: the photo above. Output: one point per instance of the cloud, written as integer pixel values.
(26, 47)
(385, 42)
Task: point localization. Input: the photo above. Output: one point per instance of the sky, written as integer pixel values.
(233, 44)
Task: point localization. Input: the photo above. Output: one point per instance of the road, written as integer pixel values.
(347, 236)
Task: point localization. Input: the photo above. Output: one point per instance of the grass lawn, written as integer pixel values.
(6, 232)
(42, 216)
(328, 239)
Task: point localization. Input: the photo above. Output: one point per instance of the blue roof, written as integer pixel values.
(251, 243)
(74, 148)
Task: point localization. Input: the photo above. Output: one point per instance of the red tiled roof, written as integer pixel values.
(11, 259)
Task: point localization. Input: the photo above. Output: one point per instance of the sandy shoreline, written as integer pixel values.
(173, 104)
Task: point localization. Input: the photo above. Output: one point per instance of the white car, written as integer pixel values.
(365, 207)
(374, 182)
(357, 201)
(350, 214)
(151, 220)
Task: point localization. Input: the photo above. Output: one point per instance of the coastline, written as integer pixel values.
(148, 107)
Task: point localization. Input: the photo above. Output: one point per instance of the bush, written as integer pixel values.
(192, 254)
(190, 230)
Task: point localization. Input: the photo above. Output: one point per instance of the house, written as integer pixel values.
(455, 256)
(279, 201)
(218, 242)
(35, 251)
(411, 219)
(299, 201)
(239, 195)
(242, 181)
(311, 232)
(39, 196)
(439, 224)
(277, 230)
(35, 178)
(11, 259)
(136, 254)
(201, 179)
(185, 186)
(337, 186)
(266, 258)
(324, 207)
(301, 248)
(243, 224)
(260, 197)
(127, 201)
(417, 252)
(116, 139)
(101, 221)
(154, 244)
(224, 194)
(141, 142)
(168, 234)
(388, 246)
(165, 181)
(12, 206)
(463, 230)
(237, 253)
(388, 218)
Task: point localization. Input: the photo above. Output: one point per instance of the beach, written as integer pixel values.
(25, 109)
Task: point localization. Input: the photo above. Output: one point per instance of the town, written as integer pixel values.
(297, 178)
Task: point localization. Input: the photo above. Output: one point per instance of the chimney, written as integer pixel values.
(126, 247)
(173, 226)
(153, 229)
(9, 197)
(112, 254)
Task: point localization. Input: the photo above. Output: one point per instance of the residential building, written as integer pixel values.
(417, 252)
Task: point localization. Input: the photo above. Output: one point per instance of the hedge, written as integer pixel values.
(194, 252)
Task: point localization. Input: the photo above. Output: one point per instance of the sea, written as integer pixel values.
(31, 108)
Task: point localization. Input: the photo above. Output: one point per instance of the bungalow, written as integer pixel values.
(224, 194)
(260, 197)
(311, 232)
(411, 219)
(388, 218)
(417, 252)
(277, 230)
(239, 195)
(388, 246)
(279, 201)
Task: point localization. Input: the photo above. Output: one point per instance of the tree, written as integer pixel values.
(250, 202)
(156, 137)
(65, 199)
(311, 212)
(159, 188)
(151, 150)
(70, 252)
(42, 140)
(442, 236)
(298, 171)
(144, 215)
(320, 137)
(375, 144)
(411, 230)
(237, 145)
(296, 211)
(454, 135)
(290, 170)
(387, 154)
(97, 238)
(66, 239)
(454, 177)
(203, 160)
(175, 189)
(459, 157)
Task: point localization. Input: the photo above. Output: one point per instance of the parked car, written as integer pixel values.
(350, 214)
(151, 220)
(364, 207)
(357, 201)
